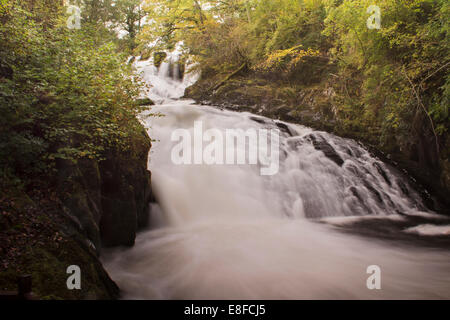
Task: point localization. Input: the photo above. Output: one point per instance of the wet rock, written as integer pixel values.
(132, 60)
(353, 169)
(285, 128)
(358, 196)
(110, 199)
(361, 201)
(320, 144)
(294, 144)
(144, 102)
(403, 187)
(349, 151)
(126, 194)
(389, 200)
(257, 119)
(382, 173)
(281, 112)
(374, 191)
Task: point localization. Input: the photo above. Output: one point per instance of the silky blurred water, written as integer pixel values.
(227, 232)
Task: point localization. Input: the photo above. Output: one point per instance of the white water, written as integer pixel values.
(226, 232)
(162, 87)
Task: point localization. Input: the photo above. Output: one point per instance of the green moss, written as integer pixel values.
(39, 240)
(158, 58)
(48, 266)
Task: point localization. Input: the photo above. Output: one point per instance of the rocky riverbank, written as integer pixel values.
(314, 103)
(55, 224)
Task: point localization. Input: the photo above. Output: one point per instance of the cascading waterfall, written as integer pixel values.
(227, 232)
(163, 86)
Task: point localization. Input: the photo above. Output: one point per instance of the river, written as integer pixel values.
(309, 231)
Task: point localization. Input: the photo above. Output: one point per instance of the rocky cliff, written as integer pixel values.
(55, 224)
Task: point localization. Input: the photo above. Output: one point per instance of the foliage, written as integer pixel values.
(403, 66)
(288, 58)
(391, 83)
(64, 94)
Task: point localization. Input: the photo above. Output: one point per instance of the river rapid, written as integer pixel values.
(309, 231)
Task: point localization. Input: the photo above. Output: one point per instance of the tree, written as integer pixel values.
(64, 94)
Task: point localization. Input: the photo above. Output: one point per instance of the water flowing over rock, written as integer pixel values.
(168, 80)
(227, 232)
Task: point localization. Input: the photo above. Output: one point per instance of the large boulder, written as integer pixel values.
(125, 193)
(109, 199)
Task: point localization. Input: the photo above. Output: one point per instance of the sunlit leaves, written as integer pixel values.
(64, 94)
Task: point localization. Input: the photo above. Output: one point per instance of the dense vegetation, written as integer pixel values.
(73, 156)
(387, 86)
(69, 100)
(64, 93)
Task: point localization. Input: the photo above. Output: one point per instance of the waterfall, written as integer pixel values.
(227, 232)
(164, 86)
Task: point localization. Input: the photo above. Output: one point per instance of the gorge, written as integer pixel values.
(269, 150)
(307, 232)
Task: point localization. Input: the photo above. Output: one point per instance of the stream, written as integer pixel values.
(308, 231)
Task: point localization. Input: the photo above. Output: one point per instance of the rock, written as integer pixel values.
(403, 187)
(80, 185)
(52, 241)
(374, 191)
(382, 173)
(125, 199)
(95, 204)
(132, 60)
(257, 119)
(126, 194)
(285, 128)
(145, 102)
(361, 201)
(320, 144)
(158, 58)
(181, 69)
(110, 199)
(145, 55)
(316, 107)
(280, 110)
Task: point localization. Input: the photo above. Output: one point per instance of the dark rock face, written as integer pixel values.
(109, 199)
(158, 58)
(285, 128)
(382, 173)
(320, 144)
(126, 193)
(259, 120)
(94, 204)
(361, 200)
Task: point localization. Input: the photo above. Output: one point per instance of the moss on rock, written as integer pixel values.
(92, 204)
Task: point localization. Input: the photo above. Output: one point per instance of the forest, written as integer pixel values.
(73, 150)
(385, 84)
